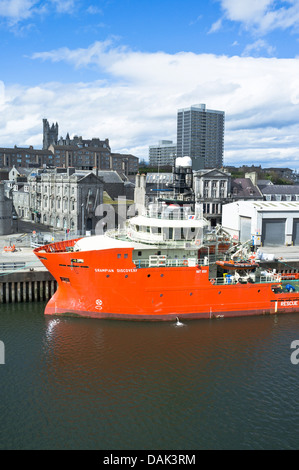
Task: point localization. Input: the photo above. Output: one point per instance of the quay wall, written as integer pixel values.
(26, 286)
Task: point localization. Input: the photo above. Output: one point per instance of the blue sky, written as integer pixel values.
(120, 69)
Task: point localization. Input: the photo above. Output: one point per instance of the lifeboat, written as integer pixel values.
(237, 264)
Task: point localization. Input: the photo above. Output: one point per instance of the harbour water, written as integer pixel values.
(70, 383)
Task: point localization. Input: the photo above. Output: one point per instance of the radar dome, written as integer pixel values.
(183, 161)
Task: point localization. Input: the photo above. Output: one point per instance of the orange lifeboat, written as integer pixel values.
(237, 264)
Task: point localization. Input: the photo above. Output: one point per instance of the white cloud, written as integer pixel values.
(136, 105)
(258, 46)
(245, 11)
(94, 10)
(216, 26)
(64, 6)
(262, 16)
(2, 95)
(15, 11)
(94, 54)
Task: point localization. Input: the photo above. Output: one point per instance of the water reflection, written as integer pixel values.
(100, 384)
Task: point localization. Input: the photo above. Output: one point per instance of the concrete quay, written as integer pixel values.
(23, 278)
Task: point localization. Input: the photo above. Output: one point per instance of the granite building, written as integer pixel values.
(5, 213)
(86, 154)
(25, 157)
(65, 199)
(212, 189)
(50, 134)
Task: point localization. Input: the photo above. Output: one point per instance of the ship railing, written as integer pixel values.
(171, 215)
(120, 234)
(229, 279)
(155, 261)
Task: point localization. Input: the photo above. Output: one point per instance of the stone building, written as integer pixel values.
(86, 154)
(24, 157)
(212, 189)
(280, 192)
(50, 134)
(6, 220)
(64, 199)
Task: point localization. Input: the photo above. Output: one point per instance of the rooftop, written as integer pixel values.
(278, 206)
(280, 189)
(244, 187)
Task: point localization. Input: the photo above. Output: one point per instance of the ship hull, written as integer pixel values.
(106, 284)
(167, 317)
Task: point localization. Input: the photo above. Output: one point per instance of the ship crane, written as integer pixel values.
(243, 251)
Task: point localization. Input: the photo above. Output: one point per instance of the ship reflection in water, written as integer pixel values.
(74, 383)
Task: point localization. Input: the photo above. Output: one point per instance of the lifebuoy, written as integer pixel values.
(185, 262)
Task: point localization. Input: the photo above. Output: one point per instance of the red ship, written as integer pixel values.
(155, 269)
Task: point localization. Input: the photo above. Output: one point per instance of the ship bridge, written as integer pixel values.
(161, 230)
